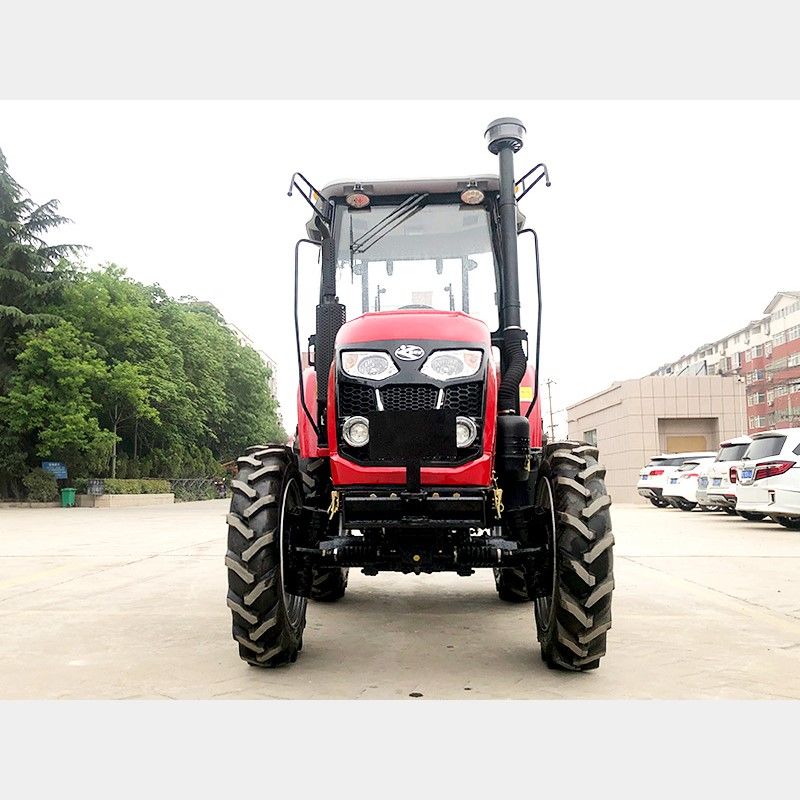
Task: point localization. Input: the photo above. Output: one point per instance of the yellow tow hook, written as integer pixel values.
(497, 497)
(334, 506)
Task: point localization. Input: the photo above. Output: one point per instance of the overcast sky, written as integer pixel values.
(668, 224)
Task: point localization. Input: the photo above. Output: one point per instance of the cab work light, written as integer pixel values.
(357, 200)
(472, 196)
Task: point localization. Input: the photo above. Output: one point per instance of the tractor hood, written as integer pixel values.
(414, 325)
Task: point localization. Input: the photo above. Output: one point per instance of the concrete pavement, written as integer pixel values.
(130, 603)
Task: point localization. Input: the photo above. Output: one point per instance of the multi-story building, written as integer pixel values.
(765, 355)
(246, 341)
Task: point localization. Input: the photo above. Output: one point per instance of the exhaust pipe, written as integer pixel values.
(504, 137)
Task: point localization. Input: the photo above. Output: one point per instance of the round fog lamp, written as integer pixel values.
(466, 431)
(356, 431)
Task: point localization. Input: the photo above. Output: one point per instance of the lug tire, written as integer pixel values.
(793, 523)
(267, 624)
(751, 516)
(572, 624)
(511, 586)
(328, 584)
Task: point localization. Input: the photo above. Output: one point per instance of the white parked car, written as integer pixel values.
(721, 491)
(656, 474)
(681, 488)
(769, 478)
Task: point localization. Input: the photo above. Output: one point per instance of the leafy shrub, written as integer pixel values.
(128, 485)
(41, 486)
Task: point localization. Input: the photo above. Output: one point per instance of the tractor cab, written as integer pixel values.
(402, 245)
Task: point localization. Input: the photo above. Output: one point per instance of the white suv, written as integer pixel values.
(681, 490)
(769, 478)
(656, 474)
(721, 492)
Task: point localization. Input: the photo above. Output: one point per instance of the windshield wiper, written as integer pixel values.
(404, 211)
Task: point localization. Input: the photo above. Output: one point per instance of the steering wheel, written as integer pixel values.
(415, 305)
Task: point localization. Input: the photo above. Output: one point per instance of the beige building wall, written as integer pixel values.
(634, 419)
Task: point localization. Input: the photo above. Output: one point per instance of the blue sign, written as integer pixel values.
(56, 468)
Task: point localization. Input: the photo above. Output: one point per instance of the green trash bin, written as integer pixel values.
(67, 498)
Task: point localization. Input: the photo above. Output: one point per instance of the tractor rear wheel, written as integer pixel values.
(573, 619)
(328, 584)
(265, 508)
(511, 585)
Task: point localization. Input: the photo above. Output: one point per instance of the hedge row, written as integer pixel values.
(128, 485)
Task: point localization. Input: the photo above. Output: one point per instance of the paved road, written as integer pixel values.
(130, 603)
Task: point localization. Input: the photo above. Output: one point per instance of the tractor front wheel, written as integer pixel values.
(573, 618)
(265, 509)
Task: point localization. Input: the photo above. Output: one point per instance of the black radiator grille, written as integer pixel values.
(355, 399)
(465, 398)
(411, 397)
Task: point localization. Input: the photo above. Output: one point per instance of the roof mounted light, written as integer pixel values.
(472, 195)
(357, 198)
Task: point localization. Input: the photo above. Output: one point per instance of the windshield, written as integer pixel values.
(416, 254)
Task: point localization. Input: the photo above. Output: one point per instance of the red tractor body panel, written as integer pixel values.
(413, 325)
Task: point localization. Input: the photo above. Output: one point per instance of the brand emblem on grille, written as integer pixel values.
(409, 352)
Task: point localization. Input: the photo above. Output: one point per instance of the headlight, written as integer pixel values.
(466, 431)
(447, 364)
(355, 431)
(370, 364)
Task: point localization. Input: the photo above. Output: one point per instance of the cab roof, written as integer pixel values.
(340, 190)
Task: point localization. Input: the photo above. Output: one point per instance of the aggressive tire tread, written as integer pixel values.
(265, 631)
(572, 628)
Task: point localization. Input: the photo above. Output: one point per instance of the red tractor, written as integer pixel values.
(419, 445)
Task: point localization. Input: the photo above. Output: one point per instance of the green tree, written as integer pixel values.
(31, 271)
(49, 403)
(125, 397)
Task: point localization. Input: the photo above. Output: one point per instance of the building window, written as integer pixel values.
(793, 333)
(781, 390)
(794, 360)
(778, 339)
(768, 349)
(755, 399)
(737, 360)
(590, 437)
(757, 351)
(770, 395)
(758, 422)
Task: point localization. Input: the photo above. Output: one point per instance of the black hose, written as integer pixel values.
(516, 363)
(297, 332)
(538, 319)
